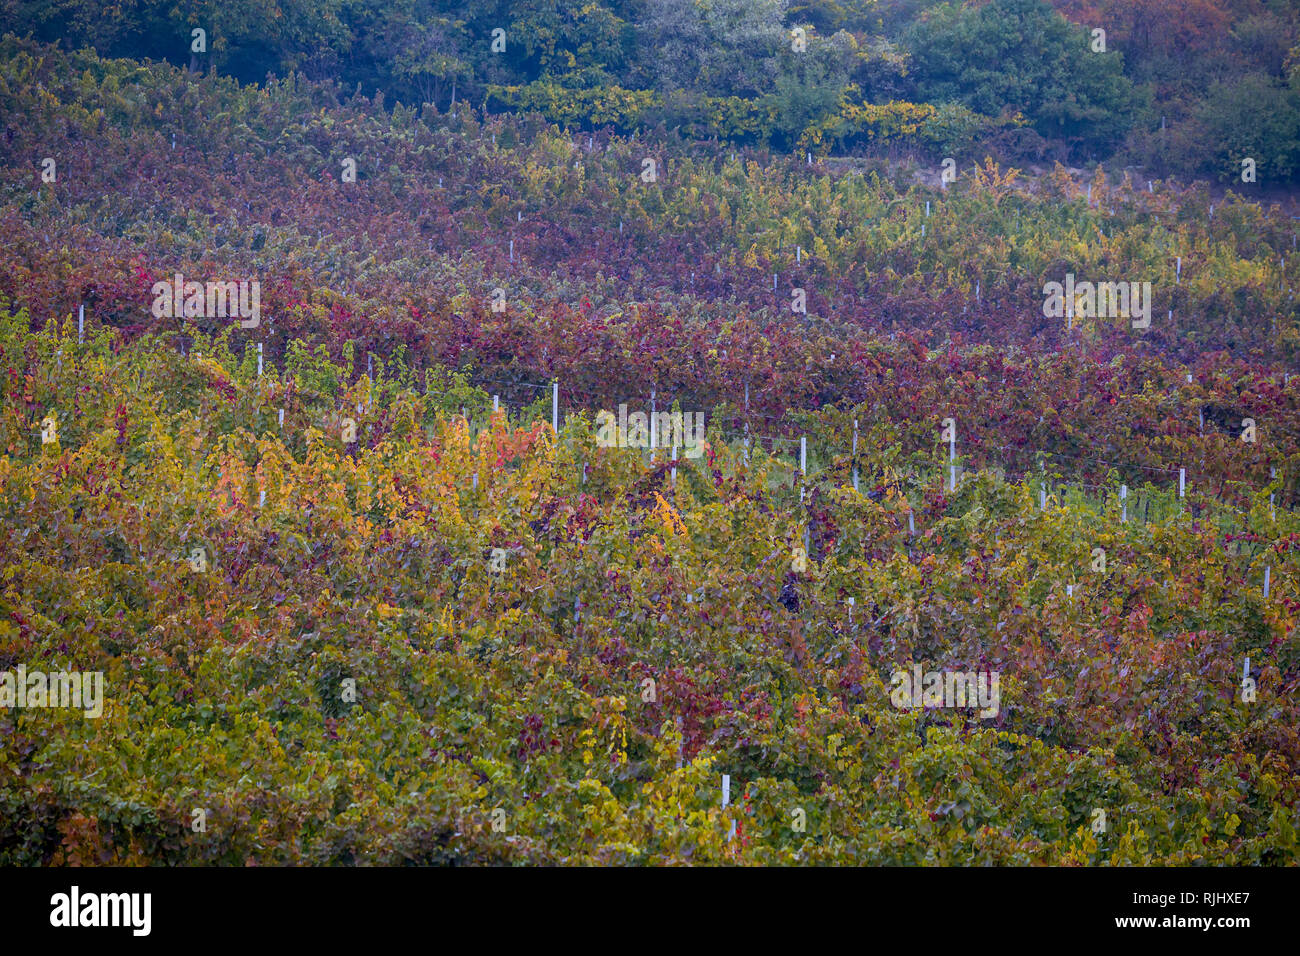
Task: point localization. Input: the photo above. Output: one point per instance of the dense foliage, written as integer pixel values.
(525, 690)
(586, 638)
(1166, 90)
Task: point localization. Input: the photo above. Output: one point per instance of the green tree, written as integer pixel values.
(433, 58)
(1253, 117)
(831, 15)
(1022, 55)
(715, 47)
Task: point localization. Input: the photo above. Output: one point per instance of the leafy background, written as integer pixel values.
(524, 690)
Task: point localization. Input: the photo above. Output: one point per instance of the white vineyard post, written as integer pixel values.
(726, 800)
(803, 463)
(652, 424)
(952, 458)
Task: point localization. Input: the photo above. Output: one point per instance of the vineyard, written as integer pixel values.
(367, 586)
